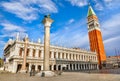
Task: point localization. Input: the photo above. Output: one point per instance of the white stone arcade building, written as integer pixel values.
(61, 58)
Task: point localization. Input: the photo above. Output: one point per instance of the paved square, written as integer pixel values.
(66, 76)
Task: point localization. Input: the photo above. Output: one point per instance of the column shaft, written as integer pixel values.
(46, 48)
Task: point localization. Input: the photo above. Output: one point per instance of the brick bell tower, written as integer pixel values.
(95, 37)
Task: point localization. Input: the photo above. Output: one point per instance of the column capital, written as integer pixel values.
(47, 21)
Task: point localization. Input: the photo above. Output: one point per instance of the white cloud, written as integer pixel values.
(111, 26)
(73, 36)
(79, 3)
(111, 40)
(2, 42)
(112, 4)
(10, 30)
(99, 6)
(21, 11)
(107, 4)
(111, 32)
(111, 44)
(29, 9)
(108, 0)
(12, 27)
(71, 21)
(113, 22)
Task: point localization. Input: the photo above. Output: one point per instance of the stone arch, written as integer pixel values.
(50, 67)
(82, 66)
(19, 66)
(67, 67)
(74, 66)
(70, 66)
(39, 68)
(27, 67)
(77, 66)
(33, 67)
(54, 67)
(59, 67)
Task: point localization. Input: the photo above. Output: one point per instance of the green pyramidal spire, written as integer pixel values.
(90, 11)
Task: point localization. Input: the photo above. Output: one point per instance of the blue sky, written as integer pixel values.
(69, 28)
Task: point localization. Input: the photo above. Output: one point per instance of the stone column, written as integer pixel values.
(75, 66)
(47, 21)
(42, 67)
(68, 56)
(84, 66)
(68, 66)
(72, 67)
(29, 67)
(61, 67)
(56, 55)
(95, 67)
(77, 57)
(57, 67)
(81, 66)
(83, 58)
(64, 55)
(78, 66)
(36, 67)
(89, 66)
(72, 56)
(36, 53)
(92, 66)
(26, 40)
(60, 55)
(52, 67)
(52, 54)
(14, 69)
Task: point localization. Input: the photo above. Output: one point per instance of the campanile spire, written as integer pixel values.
(95, 36)
(90, 11)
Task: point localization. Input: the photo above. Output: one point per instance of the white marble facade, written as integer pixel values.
(61, 58)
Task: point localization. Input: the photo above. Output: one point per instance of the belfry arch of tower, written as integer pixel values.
(95, 36)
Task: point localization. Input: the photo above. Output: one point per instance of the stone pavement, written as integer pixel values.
(66, 76)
